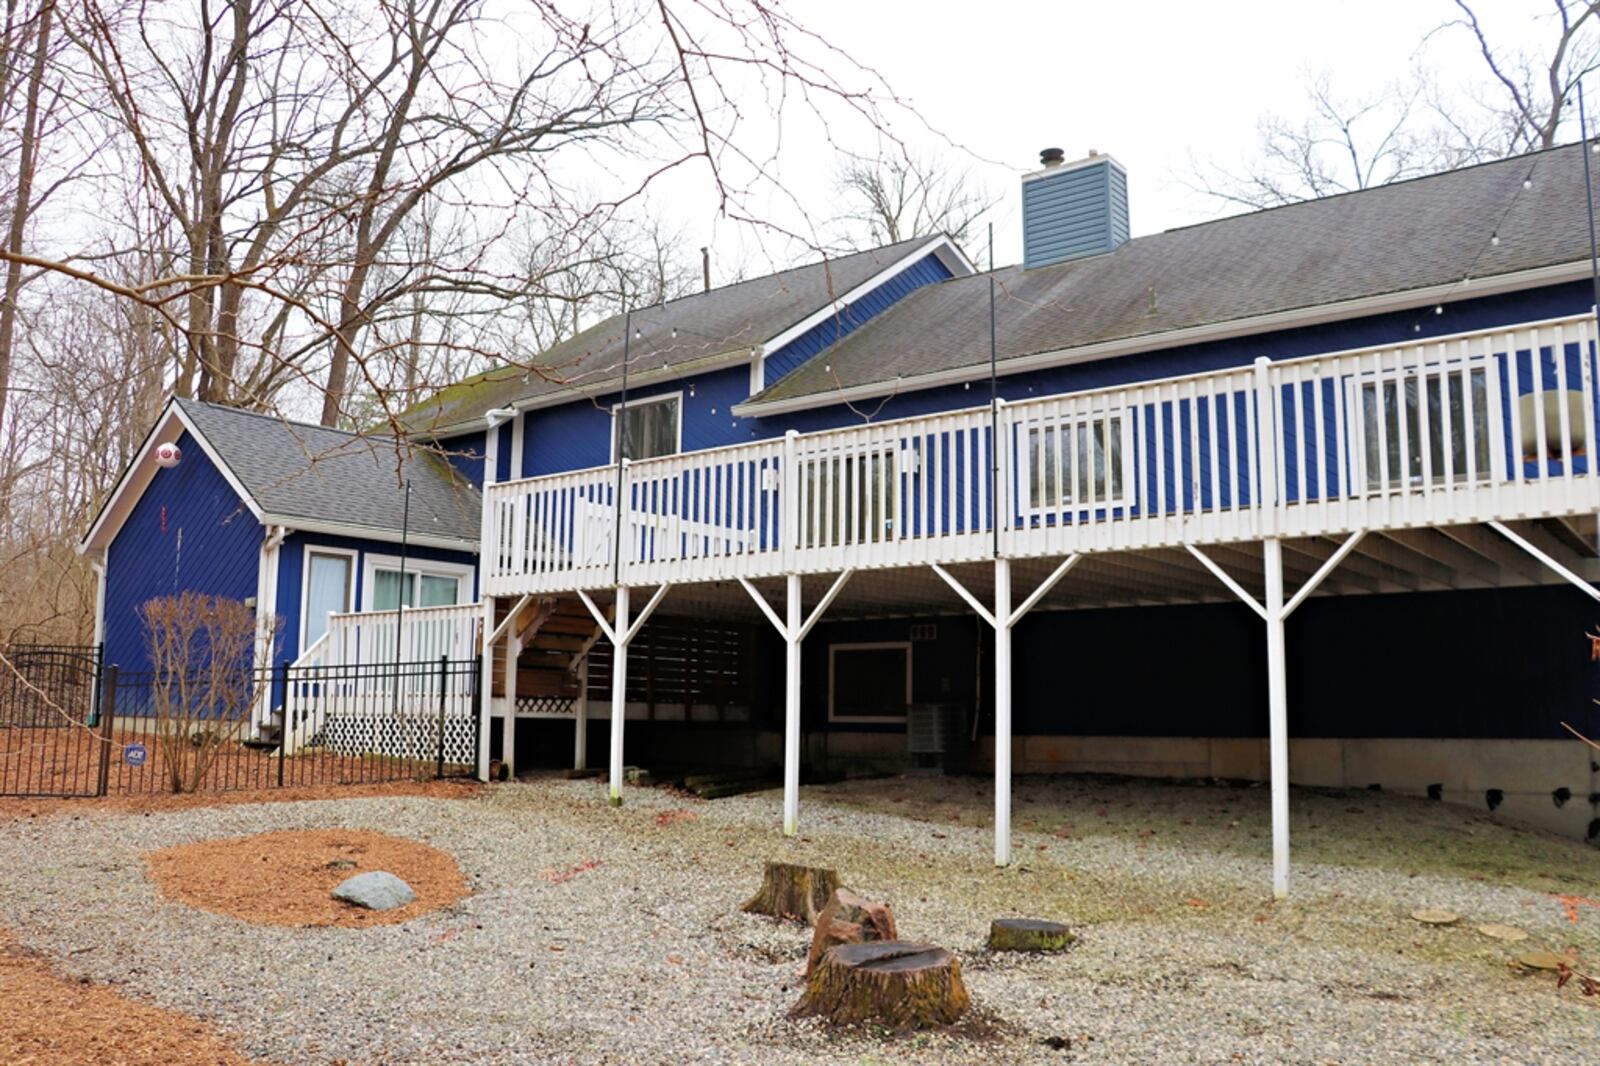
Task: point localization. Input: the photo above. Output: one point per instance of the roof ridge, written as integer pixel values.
(1435, 176)
(267, 415)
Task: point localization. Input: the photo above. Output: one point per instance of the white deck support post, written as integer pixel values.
(508, 722)
(791, 709)
(1277, 715)
(1274, 613)
(793, 630)
(1003, 620)
(620, 631)
(486, 689)
(619, 694)
(1002, 711)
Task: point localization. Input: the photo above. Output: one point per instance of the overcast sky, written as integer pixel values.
(1157, 84)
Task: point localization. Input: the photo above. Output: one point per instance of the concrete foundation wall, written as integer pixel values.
(1527, 772)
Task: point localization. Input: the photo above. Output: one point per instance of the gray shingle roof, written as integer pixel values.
(709, 325)
(294, 470)
(1409, 235)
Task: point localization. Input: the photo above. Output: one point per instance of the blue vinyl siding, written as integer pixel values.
(926, 271)
(291, 570)
(188, 531)
(465, 454)
(1074, 212)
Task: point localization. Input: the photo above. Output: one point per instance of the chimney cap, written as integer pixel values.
(1052, 157)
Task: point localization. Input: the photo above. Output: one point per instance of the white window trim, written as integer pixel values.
(1028, 427)
(1355, 420)
(306, 552)
(660, 397)
(833, 651)
(459, 571)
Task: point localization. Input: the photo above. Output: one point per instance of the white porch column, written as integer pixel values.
(1002, 712)
(580, 725)
(508, 722)
(486, 689)
(791, 710)
(619, 692)
(1277, 715)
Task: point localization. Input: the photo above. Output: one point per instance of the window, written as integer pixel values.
(1076, 462)
(1457, 407)
(328, 588)
(869, 682)
(852, 499)
(419, 583)
(648, 428)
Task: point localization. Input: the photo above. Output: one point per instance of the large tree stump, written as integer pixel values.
(1028, 934)
(789, 891)
(895, 983)
(849, 919)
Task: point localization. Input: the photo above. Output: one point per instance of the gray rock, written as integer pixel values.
(378, 890)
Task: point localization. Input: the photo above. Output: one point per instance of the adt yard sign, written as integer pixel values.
(135, 754)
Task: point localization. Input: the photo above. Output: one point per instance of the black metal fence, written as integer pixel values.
(71, 726)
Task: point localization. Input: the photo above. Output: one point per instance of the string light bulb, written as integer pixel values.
(674, 332)
(1527, 183)
(1438, 309)
(1495, 240)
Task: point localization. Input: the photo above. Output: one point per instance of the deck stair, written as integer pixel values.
(556, 632)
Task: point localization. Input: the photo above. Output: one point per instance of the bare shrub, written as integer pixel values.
(201, 651)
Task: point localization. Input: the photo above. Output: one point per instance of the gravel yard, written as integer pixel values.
(612, 935)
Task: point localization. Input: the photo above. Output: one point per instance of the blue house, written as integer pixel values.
(1059, 516)
(300, 521)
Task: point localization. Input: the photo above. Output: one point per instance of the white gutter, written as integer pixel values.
(1448, 292)
(340, 529)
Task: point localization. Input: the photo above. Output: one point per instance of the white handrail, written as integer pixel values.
(1446, 430)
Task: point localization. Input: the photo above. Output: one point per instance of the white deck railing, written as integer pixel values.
(373, 682)
(1495, 424)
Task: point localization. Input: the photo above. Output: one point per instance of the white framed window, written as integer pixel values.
(1458, 438)
(647, 427)
(869, 682)
(386, 584)
(1074, 461)
(327, 586)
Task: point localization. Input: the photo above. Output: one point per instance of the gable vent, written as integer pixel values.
(1072, 210)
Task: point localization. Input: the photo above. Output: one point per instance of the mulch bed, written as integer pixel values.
(285, 877)
(50, 1018)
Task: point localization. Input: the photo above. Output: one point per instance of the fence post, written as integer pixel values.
(444, 689)
(281, 683)
(108, 712)
(477, 711)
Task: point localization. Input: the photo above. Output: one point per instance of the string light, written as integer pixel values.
(1495, 240)
(1527, 183)
(1438, 309)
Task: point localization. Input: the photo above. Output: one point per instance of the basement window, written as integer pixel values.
(869, 682)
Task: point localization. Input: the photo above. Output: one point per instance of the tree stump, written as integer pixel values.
(895, 983)
(1028, 934)
(789, 891)
(849, 919)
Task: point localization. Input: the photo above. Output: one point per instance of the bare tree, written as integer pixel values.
(201, 681)
(1423, 126)
(898, 196)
